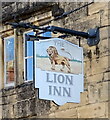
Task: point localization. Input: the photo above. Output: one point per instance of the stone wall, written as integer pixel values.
(95, 99)
(22, 101)
(22, 10)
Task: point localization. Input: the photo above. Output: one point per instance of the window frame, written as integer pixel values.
(26, 80)
(5, 71)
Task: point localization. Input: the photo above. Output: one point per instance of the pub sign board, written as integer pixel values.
(58, 70)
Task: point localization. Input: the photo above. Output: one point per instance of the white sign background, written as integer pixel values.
(59, 86)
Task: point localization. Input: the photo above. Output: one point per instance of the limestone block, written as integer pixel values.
(1, 112)
(84, 98)
(25, 95)
(103, 91)
(91, 19)
(105, 22)
(86, 24)
(93, 94)
(8, 91)
(6, 28)
(13, 98)
(11, 112)
(103, 48)
(95, 78)
(1, 101)
(64, 107)
(92, 111)
(102, 10)
(27, 86)
(107, 114)
(51, 115)
(5, 100)
(15, 109)
(66, 114)
(44, 15)
(98, 92)
(106, 76)
(53, 107)
(104, 33)
(41, 107)
(6, 112)
(104, 18)
(74, 105)
(96, 7)
(33, 108)
(96, 66)
(20, 109)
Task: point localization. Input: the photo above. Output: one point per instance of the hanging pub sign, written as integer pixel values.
(58, 70)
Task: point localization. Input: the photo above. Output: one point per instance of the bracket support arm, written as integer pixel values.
(92, 35)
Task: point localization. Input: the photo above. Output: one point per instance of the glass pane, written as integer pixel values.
(29, 46)
(47, 34)
(29, 69)
(9, 59)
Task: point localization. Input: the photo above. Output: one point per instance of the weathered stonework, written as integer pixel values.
(20, 10)
(22, 100)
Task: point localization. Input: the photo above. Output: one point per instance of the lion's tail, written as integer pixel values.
(68, 54)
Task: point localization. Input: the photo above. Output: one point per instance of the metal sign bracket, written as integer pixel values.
(92, 35)
(93, 38)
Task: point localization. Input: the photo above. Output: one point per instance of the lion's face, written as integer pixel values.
(51, 51)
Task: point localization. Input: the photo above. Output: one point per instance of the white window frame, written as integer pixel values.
(25, 80)
(5, 72)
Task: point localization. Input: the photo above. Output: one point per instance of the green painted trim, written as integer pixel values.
(48, 57)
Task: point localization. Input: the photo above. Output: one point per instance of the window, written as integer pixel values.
(9, 61)
(28, 59)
